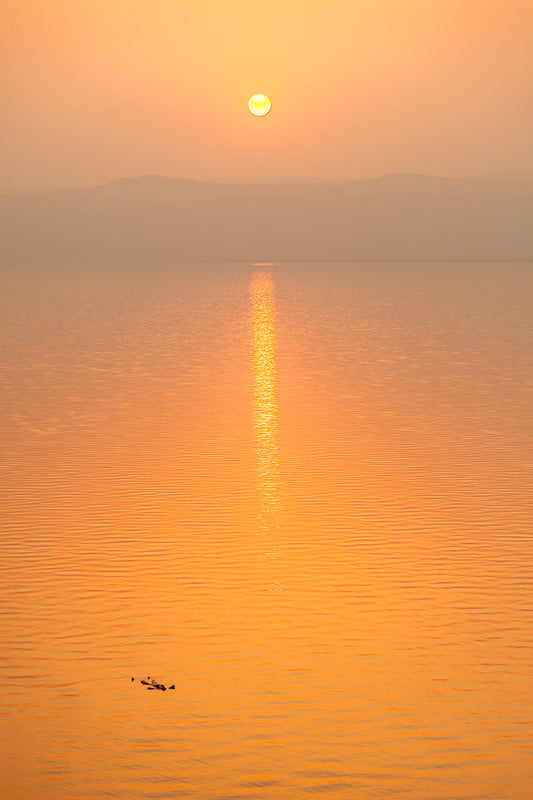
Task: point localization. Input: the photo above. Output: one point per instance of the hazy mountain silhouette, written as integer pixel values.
(397, 217)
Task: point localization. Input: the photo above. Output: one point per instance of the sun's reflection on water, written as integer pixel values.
(266, 403)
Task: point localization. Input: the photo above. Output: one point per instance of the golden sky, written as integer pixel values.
(94, 90)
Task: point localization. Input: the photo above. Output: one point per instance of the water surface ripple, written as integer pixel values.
(300, 493)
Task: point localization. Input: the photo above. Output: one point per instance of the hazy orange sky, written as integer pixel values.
(103, 89)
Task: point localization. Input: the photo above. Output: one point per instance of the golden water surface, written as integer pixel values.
(301, 494)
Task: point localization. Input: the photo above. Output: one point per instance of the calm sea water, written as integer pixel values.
(302, 494)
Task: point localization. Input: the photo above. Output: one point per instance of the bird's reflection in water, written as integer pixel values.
(266, 406)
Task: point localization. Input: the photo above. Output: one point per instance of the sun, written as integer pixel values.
(259, 104)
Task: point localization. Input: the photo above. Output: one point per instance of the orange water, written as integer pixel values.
(300, 493)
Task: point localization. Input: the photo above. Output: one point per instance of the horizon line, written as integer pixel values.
(505, 176)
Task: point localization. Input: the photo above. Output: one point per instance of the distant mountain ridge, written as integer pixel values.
(396, 217)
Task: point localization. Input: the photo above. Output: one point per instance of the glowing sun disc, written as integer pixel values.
(259, 104)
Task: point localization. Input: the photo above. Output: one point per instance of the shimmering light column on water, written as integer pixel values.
(265, 387)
